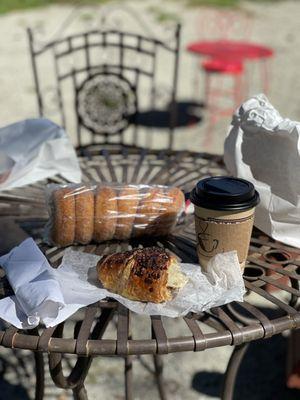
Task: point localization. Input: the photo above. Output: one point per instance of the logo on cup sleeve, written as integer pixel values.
(205, 242)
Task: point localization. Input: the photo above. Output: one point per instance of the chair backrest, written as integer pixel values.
(96, 83)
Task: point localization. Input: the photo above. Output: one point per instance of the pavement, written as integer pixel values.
(17, 95)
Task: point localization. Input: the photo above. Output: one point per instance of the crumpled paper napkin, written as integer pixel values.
(35, 149)
(49, 296)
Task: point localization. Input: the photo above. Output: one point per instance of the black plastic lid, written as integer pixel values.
(225, 194)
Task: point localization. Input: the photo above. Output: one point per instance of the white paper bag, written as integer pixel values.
(35, 149)
(264, 148)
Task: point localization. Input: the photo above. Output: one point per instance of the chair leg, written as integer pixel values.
(207, 85)
(158, 365)
(238, 91)
(40, 376)
(209, 103)
(80, 393)
(128, 378)
(293, 361)
(232, 370)
(195, 81)
(265, 75)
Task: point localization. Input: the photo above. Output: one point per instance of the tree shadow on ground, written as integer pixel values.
(261, 375)
(16, 367)
(12, 392)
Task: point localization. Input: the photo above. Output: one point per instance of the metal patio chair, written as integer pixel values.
(98, 83)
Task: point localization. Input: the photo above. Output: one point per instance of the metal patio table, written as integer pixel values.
(271, 273)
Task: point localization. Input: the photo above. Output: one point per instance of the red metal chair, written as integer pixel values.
(215, 93)
(224, 25)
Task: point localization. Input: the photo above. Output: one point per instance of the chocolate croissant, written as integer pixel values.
(149, 274)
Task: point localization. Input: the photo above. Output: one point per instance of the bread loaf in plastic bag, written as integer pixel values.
(82, 214)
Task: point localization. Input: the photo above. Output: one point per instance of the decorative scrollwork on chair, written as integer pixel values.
(106, 103)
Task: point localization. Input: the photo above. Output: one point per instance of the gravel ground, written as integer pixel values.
(188, 376)
(275, 25)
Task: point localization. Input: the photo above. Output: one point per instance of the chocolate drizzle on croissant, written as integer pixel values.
(141, 274)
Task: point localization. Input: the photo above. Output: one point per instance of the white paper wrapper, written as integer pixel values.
(264, 148)
(75, 285)
(35, 149)
(222, 285)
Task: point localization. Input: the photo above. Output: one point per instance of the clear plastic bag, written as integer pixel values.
(101, 212)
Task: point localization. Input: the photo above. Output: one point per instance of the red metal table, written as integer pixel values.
(230, 49)
(234, 50)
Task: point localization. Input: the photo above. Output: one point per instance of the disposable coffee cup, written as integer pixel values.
(224, 214)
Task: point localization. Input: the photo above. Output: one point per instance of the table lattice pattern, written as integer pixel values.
(271, 274)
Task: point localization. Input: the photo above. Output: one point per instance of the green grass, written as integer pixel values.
(11, 5)
(223, 3)
(163, 16)
(219, 3)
